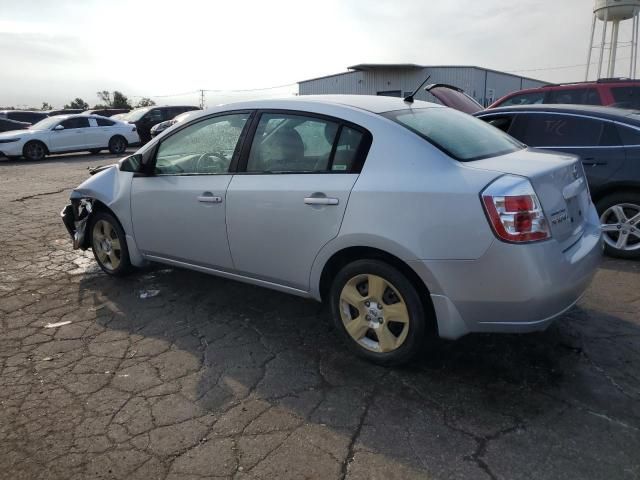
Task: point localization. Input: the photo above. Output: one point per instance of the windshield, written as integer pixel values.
(457, 134)
(46, 123)
(135, 115)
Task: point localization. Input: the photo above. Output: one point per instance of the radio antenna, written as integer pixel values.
(409, 98)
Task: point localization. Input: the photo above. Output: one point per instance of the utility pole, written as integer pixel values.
(202, 105)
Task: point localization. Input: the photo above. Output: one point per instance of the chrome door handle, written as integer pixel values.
(209, 199)
(320, 201)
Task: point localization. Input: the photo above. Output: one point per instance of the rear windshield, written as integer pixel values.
(459, 135)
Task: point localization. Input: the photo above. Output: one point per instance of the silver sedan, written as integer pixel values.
(411, 220)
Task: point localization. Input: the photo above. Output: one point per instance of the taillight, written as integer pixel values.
(514, 210)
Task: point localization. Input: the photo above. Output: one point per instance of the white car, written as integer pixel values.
(68, 133)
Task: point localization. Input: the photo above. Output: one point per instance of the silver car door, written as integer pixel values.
(178, 213)
(73, 135)
(292, 196)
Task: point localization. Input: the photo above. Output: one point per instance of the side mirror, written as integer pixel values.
(57, 128)
(132, 163)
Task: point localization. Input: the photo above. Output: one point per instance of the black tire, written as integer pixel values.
(34, 151)
(630, 204)
(117, 145)
(97, 229)
(418, 325)
(95, 151)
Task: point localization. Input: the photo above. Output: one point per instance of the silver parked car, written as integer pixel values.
(411, 220)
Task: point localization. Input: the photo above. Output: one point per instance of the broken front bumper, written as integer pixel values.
(75, 217)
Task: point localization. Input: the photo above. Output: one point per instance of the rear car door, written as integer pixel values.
(595, 141)
(291, 192)
(105, 129)
(74, 136)
(178, 212)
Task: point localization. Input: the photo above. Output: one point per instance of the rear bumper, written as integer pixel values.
(514, 288)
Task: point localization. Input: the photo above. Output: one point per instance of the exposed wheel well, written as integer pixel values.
(98, 206)
(351, 254)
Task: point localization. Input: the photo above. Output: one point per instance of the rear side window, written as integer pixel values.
(626, 97)
(103, 122)
(459, 135)
(575, 96)
(523, 99)
(292, 143)
(629, 136)
(547, 130)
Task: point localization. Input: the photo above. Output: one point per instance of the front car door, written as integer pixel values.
(75, 135)
(289, 197)
(178, 212)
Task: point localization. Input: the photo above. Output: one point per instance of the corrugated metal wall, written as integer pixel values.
(485, 86)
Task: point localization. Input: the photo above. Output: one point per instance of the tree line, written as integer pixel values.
(108, 99)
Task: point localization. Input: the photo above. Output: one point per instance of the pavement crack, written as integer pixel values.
(42, 194)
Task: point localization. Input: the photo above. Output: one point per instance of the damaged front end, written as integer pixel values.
(75, 217)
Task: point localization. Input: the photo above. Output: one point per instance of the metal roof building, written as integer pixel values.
(400, 79)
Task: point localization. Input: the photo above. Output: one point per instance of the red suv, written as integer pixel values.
(613, 92)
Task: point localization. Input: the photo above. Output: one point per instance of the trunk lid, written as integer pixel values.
(454, 97)
(559, 182)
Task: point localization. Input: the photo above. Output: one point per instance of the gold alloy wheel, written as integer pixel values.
(106, 244)
(374, 313)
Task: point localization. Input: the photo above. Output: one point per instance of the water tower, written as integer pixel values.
(613, 12)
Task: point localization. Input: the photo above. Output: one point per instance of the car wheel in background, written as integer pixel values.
(117, 145)
(620, 219)
(34, 150)
(95, 151)
(379, 312)
(109, 244)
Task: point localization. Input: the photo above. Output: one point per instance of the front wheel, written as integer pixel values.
(109, 244)
(620, 220)
(117, 145)
(34, 151)
(379, 312)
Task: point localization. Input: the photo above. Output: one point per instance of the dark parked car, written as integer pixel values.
(64, 111)
(23, 115)
(608, 142)
(7, 125)
(108, 112)
(147, 117)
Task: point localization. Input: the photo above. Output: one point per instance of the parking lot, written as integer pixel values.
(212, 378)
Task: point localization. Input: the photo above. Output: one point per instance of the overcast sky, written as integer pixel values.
(54, 51)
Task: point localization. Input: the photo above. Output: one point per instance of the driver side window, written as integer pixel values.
(204, 148)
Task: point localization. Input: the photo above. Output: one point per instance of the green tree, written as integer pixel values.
(120, 100)
(46, 106)
(113, 100)
(78, 103)
(105, 96)
(145, 102)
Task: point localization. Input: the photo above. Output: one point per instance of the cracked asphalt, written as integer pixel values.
(217, 379)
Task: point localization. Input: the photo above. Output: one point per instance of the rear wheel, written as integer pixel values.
(117, 145)
(109, 244)
(620, 219)
(34, 151)
(379, 312)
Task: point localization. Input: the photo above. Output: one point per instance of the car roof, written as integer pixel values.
(371, 103)
(594, 110)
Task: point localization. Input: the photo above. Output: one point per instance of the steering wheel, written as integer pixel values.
(214, 162)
